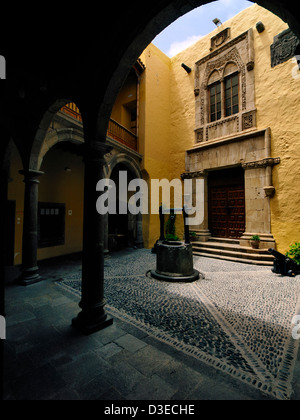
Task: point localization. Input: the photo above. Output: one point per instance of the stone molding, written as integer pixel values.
(192, 175)
(263, 163)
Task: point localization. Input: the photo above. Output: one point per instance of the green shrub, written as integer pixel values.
(255, 238)
(171, 237)
(171, 229)
(294, 252)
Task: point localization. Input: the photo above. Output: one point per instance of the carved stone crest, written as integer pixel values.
(219, 39)
(249, 120)
(284, 47)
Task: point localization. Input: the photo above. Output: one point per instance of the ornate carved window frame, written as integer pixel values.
(240, 52)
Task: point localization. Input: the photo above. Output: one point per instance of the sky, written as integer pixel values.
(188, 29)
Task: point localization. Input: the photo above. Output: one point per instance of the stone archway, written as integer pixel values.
(134, 229)
(44, 139)
(57, 136)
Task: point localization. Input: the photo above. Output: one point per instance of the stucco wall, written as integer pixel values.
(61, 186)
(278, 107)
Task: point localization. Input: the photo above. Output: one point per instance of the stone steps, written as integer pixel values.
(230, 250)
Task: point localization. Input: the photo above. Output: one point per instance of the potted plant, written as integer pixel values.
(255, 241)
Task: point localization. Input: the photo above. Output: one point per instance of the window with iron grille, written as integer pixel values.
(232, 95)
(215, 102)
(51, 224)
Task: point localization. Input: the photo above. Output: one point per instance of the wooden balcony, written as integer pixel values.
(72, 110)
(115, 130)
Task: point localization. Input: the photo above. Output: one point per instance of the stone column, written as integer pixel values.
(202, 231)
(92, 318)
(30, 268)
(259, 190)
(106, 250)
(139, 243)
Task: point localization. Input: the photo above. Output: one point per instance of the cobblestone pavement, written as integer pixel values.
(237, 320)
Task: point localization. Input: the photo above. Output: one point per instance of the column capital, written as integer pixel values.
(96, 151)
(31, 175)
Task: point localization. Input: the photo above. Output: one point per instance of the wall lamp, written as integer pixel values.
(186, 68)
(217, 22)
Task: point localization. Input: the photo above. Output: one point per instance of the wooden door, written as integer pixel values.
(227, 211)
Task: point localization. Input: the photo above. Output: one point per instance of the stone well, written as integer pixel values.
(175, 262)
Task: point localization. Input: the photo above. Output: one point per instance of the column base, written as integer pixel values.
(87, 326)
(139, 245)
(29, 276)
(202, 235)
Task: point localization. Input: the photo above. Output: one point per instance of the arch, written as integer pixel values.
(41, 133)
(134, 231)
(214, 77)
(57, 136)
(126, 160)
(230, 68)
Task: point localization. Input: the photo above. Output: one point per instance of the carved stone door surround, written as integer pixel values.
(252, 151)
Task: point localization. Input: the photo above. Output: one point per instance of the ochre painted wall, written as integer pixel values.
(56, 186)
(126, 99)
(278, 107)
(61, 186)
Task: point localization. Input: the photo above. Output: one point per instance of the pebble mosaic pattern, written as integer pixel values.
(237, 319)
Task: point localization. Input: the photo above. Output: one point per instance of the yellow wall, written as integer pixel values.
(60, 186)
(155, 129)
(278, 107)
(125, 101)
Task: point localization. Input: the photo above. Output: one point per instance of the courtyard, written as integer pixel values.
(227, 336)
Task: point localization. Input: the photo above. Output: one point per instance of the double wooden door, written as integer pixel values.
(227, 211)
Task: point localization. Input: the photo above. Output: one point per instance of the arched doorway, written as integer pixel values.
(121, 226)
(124, 228)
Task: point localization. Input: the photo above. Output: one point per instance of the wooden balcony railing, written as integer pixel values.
(115, 130)
(73, 110)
